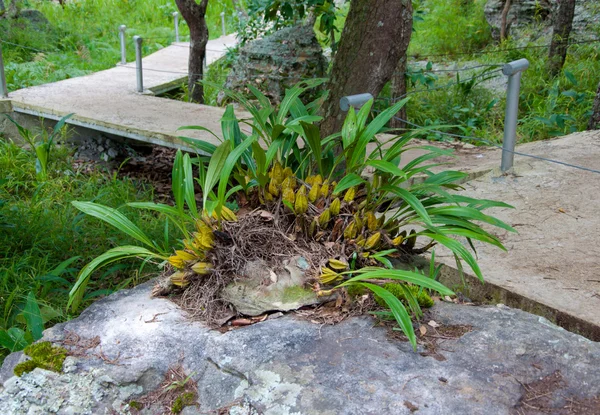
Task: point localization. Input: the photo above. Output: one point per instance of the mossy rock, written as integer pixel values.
(424, 300)
(43, 355)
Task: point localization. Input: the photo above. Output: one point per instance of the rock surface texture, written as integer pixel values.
(524, 13)
(292, 366)
(277, 62)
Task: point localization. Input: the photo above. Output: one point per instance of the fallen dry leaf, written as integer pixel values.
(561, 210)
(423, 330)
(433, 324)
(265, 215)
(259, 319)
(241, 322)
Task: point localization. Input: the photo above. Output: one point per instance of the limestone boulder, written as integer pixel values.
(276, 63)
(487, 360)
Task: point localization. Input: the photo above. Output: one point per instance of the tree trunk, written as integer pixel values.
(595, 119)
(398, 91)
(375, 37)
(194, 14)
(560, 36)
(503, 22)
(11, 11)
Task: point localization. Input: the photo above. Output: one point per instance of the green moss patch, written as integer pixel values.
(43, 355)
(183, 400)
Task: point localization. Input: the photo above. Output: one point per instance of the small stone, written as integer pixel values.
(112, 153)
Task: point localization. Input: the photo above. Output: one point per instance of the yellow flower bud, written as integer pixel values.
(289, 195)
(350, 194)
(373, 240)
(350, 231)
(372, 221)
(324, 218)
(228, 215)
(277, 173)
(324, 189)
(314, 193)
(179, 279)
(334, 208)
(301, 205)
(289, 182)
(338, 265)
(202, 268)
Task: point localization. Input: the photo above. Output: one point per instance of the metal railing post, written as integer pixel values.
(122, 29)
(513, 70)
(355, 101)
(223, 23)
(138, 63)
(3, 87)
(176, 17)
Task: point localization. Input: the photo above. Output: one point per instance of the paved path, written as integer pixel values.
(553, 262)
(107, 101)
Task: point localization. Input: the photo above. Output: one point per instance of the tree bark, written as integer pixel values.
(595, 119)
(503, 21)
(11, 11)
(560, 36)
(398, 91)
(194, 15)
(375, 37)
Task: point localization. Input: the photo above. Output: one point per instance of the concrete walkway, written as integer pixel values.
(107, 101)
(552, 266)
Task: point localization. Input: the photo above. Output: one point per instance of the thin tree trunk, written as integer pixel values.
(595, 119)
(194, 15)
(398, 91)
(560, 36)
(375, 37)
(503, 21)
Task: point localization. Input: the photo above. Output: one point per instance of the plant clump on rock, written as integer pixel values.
(348, 204)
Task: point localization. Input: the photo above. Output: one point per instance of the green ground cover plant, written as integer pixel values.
(44, 240)
(343, 195)
(83, 36)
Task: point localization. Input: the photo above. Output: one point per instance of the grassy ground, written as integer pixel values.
(39, 229)
(548, 107)
(83, 36)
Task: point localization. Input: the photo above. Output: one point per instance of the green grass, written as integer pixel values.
(39, 229)
(448, 26)
(83, 37)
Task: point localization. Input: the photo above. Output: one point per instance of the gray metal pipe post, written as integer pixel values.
(138, 63)
(355, 101)
(223, 23)
(3, 87)
(122, 29)
(176, 17)
(513, 70)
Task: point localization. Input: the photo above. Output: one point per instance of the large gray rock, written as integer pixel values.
(541, 13)
(292, 366)
(277, 62)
